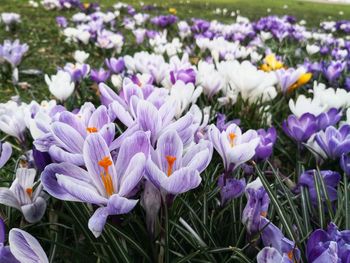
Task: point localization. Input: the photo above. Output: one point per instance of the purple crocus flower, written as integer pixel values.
(13, 52)
(234, 146)
(5, 153)
(345, 164)
(115, 65)
(61, 21)
(99, 75)
(331, 246)
(329, 118)
(221, 123)
(186, 75)
(267, 141)
(22, 196)
(230, 188)
(333, 70)
(164, 21)
(23, 248)
(67, 135)
(257, 205)
(300, 129)
(334, 142)
(331, 180)
(283, 249)
(105, 183)
(172, 170)
(77, 71)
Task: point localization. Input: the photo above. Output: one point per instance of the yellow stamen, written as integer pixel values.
(91, 129)
(172, 10)
(263, 214)
(86, 5)
(171, 160)
(232, 137)
(271, 63)
(303, 79)
(105, 162)
(29, 191)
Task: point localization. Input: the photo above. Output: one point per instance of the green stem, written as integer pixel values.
(347, 208)
(166, 227)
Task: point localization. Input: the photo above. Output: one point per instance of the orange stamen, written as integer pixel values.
(290, 255)
(263, 214)
(91, 129)
(171, 160)
(29, 191)
(105, 162)
(232, 137)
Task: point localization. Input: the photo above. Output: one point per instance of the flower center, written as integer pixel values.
(29, 191)
(232, 137)
(91, 129)
(263, 214)
(171, 160)
(105, 162)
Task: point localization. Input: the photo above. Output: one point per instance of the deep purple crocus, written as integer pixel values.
(331, 117)
(331, 180)
(164, 21)
(334, 142)
(115, 65)
(300, 129)
(333, 70)
(267, 141)
(99, 75)
(186, 75)
(230, 188)
(331, 246)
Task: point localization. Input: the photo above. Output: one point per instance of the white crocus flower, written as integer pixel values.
(80, 56)
(312, 49)
(184, 95)
(304, 104)
(60, 85)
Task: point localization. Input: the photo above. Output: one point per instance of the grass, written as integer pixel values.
(48, 50)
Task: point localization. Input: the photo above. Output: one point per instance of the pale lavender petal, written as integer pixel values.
(99, 118)
(26, 248)
(133, 174)
(148, 117)
(35, 211)
(169, 144)
(116, 110)
(181, 181)
(68, 137)
(98, 220)
(8, 198)
(59, 155)
(5, 153)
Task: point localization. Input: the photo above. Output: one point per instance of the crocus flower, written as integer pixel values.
(67, 135)
(230, 188)
(80, 56)
(300, 129)
(334, 142)
(328, 246)
(172, 170)
(22, 196)
(105, 183)
(234, 146)
(333, 71)
(331, 180)
(60, 85)
(291, 79)
(257, 205)
(345, 164)
(273, 237)
(329, 118)
(10, 19)
(25, 248)
(185, 75)
(99, 75)
(115, 65)
(61, 21)
(77, 71)
(5, 153)
(22, 248)
(267, 141)
(13, 52)
(271, 63)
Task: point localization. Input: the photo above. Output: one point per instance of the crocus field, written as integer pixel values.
(173, 132)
